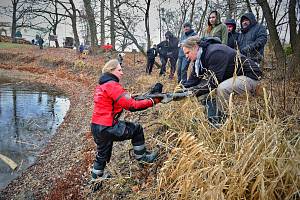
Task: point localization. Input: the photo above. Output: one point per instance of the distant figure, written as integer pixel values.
(253, 38)
(168, 50)
(120, 58)
(108, 47)
(32, 41)
(81, 48)
(41, 42)
(216, 28)
(232, 34)
(151, 54)
(183, 62)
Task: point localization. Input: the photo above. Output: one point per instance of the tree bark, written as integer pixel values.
(14, 20)
(248, 5)
(294, 37)
(199, 29)
(274, 38)
(112, 24)
(91, 21)
(102, 22)
(147, 25)
(192, 11)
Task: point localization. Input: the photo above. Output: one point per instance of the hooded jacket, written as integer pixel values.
(110, 98)
(233, 35)
(252, 39)
(183, 38)
(218, 30)
(219, 60)
(168, 47)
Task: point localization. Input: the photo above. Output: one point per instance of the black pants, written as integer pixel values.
(150, 63)
(104, 136)
(164, 61)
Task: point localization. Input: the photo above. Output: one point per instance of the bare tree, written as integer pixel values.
(102, 22)
(275, 41)
(71, 11)
(294, 34)
(46, 13)
(91, 23)
(112, 24)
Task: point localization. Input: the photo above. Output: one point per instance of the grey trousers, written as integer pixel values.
(238, 85)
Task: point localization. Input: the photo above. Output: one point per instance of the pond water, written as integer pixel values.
(29, 116)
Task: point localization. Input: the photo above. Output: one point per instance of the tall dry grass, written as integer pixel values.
(254, 155)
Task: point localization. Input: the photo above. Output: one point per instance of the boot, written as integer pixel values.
(142, 155)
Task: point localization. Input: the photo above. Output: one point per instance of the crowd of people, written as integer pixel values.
(213, 56)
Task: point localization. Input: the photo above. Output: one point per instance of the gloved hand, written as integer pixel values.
(156, 100)
(245, 50)
(179, 88)
(157, 88)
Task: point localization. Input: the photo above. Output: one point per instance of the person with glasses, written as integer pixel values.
(110, 99)
(216, 28)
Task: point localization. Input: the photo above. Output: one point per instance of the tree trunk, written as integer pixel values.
(112, 24)
(102, 22)
(192, 12)
(14, 20)
(274, 38)
(199, 29)
(147, 25)
(248, 5)
(294, 37)
(231, 9)
(54, 33)
(74, 26)
(91, 21)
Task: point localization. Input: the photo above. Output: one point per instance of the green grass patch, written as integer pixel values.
(8, 45)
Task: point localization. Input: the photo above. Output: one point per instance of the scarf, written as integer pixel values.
(198, 63)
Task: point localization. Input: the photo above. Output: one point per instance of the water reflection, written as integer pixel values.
(29, 116)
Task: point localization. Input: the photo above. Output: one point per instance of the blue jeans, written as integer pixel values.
(183, 65)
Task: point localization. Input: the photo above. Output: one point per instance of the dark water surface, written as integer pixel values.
(29, 116)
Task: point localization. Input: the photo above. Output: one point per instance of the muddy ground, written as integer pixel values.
(62, 169)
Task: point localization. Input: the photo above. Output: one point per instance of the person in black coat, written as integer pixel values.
(232, 34)
(253, 38)
(215, 67)
(168, 50)
(151, 54)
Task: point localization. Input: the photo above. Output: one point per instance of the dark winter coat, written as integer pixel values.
(110, 98)
(252, 39)
(151, 53)
(233, 35)
(168, 47)
(219, 60)
(183, 38)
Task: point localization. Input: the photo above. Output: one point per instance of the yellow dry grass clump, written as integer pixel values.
(250, 157)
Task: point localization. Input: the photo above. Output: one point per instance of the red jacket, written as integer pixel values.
(110, 98)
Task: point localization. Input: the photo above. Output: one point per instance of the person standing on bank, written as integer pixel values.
(215, 67)
(168, 50)
(253, 38)
(110, 98)
(151, 54)
(232, 34)
(183, 62)
(216, 28)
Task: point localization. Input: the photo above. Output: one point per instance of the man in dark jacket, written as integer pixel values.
(232, 34)
(183, 62)
(253, 38)
(215, 67)
(168, 50)
(151, 54)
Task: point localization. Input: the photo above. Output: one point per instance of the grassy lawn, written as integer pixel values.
(8, 45)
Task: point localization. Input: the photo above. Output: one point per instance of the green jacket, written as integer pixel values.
(218, 30)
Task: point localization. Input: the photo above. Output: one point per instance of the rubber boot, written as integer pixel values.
(142, 155)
